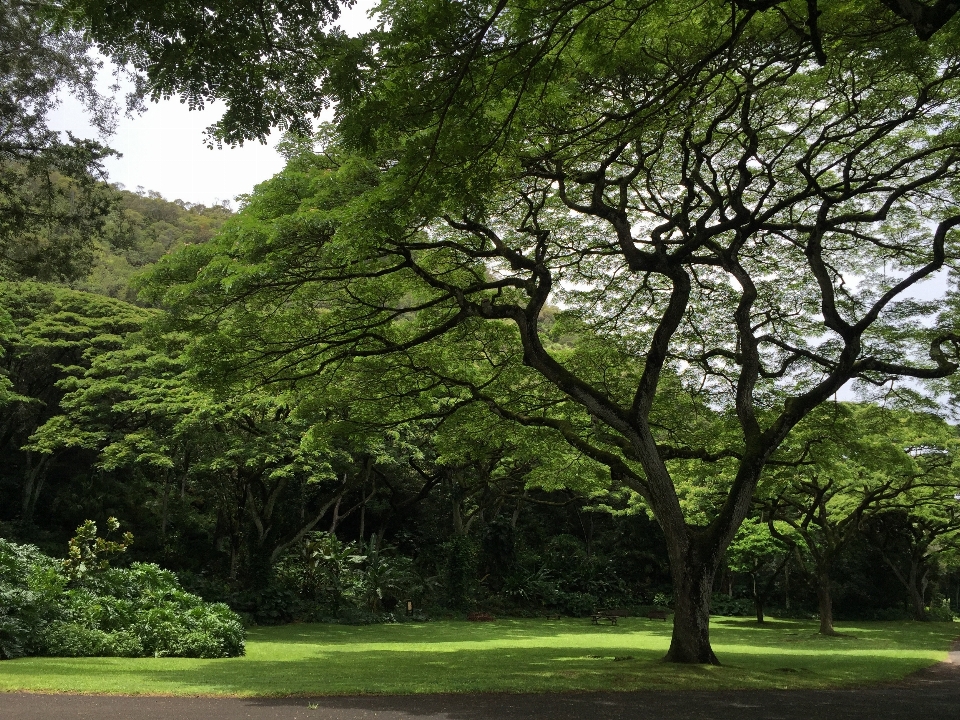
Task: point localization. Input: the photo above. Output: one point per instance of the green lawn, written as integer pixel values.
(508, 655)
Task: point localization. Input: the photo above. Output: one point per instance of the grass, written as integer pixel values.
(506, 655)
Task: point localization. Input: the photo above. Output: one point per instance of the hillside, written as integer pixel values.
(141, 229)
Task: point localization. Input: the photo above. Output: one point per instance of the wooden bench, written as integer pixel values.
(612, 614)
(658, 615)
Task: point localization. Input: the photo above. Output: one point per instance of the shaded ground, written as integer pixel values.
(931, 694)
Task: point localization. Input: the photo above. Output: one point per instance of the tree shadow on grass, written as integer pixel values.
(450, 631)
(621, 659)
(930, 694)
(769, 624)
(580, 668)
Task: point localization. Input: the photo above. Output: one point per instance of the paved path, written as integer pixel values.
(932, 694)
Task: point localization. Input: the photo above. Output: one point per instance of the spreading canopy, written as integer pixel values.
(737, 207)
(277, 63)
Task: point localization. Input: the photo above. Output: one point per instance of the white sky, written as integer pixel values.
(163, 149)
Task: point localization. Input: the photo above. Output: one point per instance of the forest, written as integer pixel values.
(541, 323)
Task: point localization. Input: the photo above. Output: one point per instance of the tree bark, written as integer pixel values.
(757, 599)
(693, 575)
(164, 509)
(825, 603)
(234, 557)
(919, 607)
(786, 587)
(917, 586)
(34, 478)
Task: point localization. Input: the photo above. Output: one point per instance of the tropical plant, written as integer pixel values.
(137, 611)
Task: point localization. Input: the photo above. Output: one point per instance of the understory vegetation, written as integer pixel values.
(82, 607)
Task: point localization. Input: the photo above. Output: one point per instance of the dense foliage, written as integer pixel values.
(348, 504)
(50, 329)
(53, 200)
(50, 608)
(140, 228)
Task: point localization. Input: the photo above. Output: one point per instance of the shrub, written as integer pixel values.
(186, 626)
(576, 604)
(940, 610)
(47, 608)
(662, 600)
(13, 636)
(324, 577)
(891, 614)
(733, 607)
(65, 639)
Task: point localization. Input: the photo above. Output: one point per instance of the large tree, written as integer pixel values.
(738, 208)
(48, 332)
(282, 63)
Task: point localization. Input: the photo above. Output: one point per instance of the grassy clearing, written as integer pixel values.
(506, 655)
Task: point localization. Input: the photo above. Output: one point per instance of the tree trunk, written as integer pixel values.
(164, 510)
(693, 576)
(825, 603)
(913, 584)
(516, 511)
(915, 587)
(363, 518)
(786, 587)
(234, 557)
(757, 600)
(919, 607)
(34, 478)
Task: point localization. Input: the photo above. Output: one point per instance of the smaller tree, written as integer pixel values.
(864, 460)
(53, 198)
(912, 538)
(245, 453)
(89, 553)
(46, 333)
(756, 553)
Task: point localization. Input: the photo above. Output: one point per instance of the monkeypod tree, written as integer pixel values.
(866, 465)
(735, 205)
(46, 333)
(915, 539)
(244, 454)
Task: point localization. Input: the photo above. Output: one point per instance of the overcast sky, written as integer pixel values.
(164, 150)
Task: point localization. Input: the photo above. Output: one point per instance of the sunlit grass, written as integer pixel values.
(506, 655)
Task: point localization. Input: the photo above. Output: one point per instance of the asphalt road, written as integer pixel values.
(932, 694)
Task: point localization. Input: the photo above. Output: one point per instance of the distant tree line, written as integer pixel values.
(349, 502)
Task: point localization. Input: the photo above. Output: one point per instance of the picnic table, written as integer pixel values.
(611, 614)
